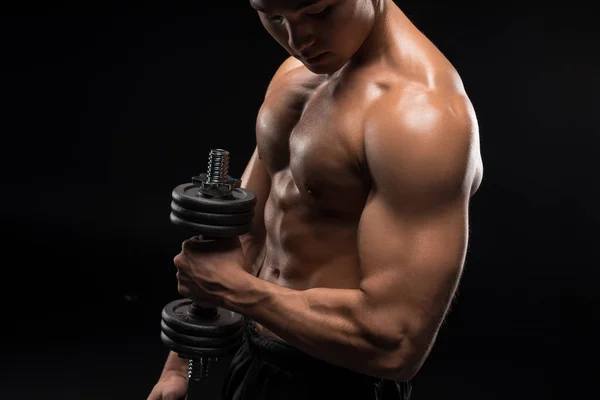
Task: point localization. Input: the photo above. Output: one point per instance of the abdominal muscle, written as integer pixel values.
(302, 252)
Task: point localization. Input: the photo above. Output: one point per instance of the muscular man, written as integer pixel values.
(367, 154)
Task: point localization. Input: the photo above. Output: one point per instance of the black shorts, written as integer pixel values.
(267, 369)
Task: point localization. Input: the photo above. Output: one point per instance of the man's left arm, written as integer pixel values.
(412, 241)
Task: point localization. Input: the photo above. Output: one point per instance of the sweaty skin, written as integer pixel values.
(365, 161)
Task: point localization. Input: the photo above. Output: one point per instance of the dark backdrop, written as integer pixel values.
(107, 107)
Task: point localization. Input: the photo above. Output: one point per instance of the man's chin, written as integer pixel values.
(323, 69)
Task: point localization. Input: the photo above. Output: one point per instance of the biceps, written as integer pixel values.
(410, 266)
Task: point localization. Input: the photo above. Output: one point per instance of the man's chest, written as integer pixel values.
(315, 139)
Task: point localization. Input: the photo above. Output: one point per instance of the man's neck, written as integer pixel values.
(380, 40)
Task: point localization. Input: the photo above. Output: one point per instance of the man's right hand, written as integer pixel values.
(170, 386)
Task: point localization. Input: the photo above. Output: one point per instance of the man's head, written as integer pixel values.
(333, 29)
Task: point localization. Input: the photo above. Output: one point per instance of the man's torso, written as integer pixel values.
(310, 137)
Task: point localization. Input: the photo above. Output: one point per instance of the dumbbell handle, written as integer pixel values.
(202, 389)
(203, 312)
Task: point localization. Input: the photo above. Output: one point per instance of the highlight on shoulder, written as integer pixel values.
(290, 64)
(423, 140)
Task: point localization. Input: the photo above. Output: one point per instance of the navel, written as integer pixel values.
(275, 272)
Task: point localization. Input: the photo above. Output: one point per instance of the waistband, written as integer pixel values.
(291, 359)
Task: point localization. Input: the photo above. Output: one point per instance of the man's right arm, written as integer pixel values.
(255, 179)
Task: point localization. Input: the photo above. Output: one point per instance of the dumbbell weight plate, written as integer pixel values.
(211, 230)
(187, 196)
(214, 219)
(190, 351)
(176, 316)
(205, 342)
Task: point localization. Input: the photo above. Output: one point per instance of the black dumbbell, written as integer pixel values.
(212, 206)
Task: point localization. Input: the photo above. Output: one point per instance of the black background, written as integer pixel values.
(108, 106)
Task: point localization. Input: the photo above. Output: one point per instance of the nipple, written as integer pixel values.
(308, 189)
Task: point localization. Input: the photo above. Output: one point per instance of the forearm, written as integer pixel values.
(329, 324)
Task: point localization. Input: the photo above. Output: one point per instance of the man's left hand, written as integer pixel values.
(207, 270)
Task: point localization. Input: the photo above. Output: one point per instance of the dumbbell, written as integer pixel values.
(212, 206)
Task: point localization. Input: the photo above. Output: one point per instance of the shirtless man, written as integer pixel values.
(367, 156)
